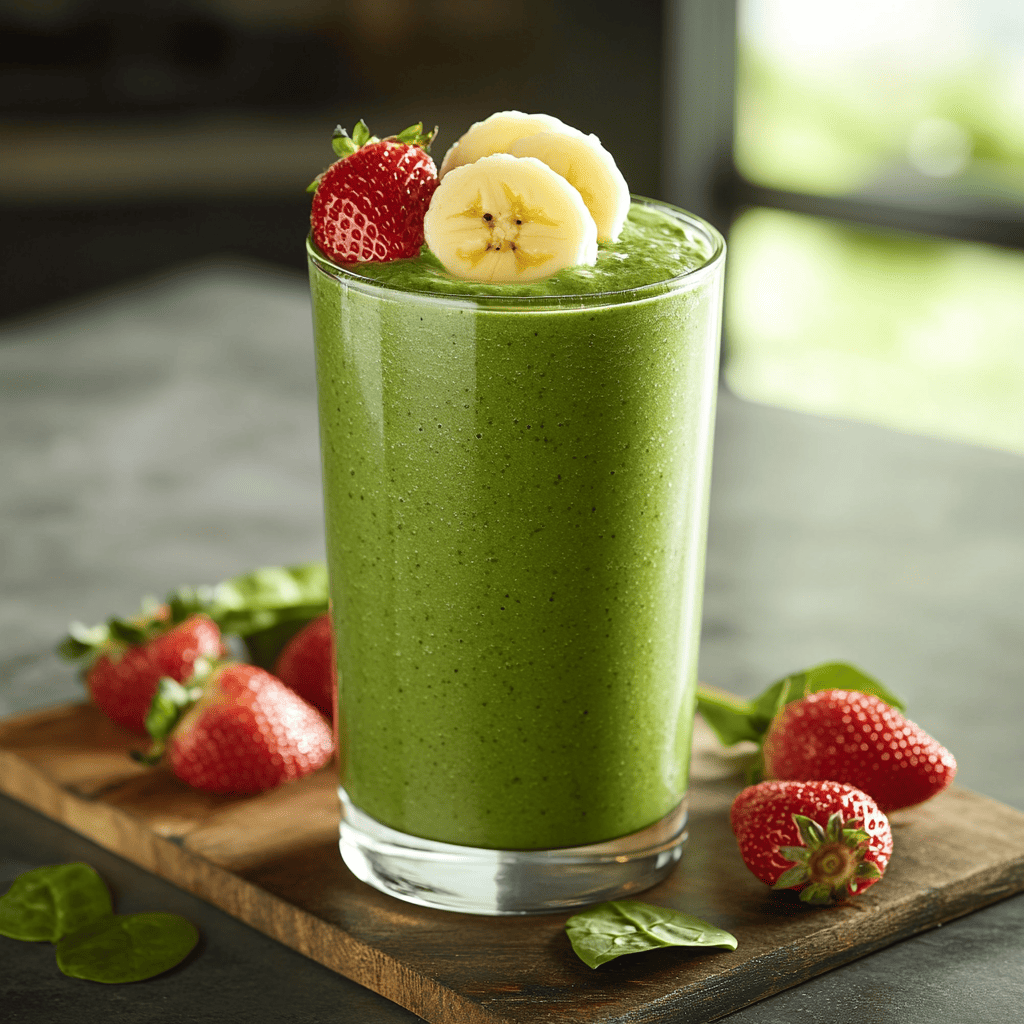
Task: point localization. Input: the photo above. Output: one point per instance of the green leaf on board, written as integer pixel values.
(124, 948)
(264, 646)
(733, 719)
(47, 903)
(614, 929)
(257, 600)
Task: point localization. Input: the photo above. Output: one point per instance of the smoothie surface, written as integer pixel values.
(653, 247)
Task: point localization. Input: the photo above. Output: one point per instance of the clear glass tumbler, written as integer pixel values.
(516, 494)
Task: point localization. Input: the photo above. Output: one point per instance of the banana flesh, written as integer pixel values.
(495, 134)
(589, 168)
(508, 219)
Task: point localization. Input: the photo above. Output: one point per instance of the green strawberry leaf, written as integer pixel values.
(124, 948)
(361, 134)
(733, 719)
(48, 903)
(128, 633)
(342, 144)
(817, 893)
(87, 642)
(410, 134)
(796, 854)
(172, 700)
(82, 640)
(614, 929)
(345, 145)
(257, 600)
(414, 135)
(793, 877)
(810, 831)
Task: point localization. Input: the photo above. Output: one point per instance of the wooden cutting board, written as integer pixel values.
(273, 862)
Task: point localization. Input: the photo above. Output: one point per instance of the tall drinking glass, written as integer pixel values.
(516, 493)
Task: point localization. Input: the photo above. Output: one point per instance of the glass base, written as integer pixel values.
(479, 881)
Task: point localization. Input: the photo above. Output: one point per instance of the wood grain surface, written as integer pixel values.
(272, 861)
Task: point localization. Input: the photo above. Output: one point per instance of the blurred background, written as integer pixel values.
(866, 161)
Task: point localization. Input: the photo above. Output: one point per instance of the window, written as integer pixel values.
(875, 188)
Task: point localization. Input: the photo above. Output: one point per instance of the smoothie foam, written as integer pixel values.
(516, 499)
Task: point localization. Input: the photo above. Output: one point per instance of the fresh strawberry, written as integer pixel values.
(369, 205)
(247, 731)
(306, 664)
(825, 839)
(125, 660)
(858, 739)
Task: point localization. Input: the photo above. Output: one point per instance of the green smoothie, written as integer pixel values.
(515, 484)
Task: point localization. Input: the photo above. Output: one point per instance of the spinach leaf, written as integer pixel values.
(614, 929)
(733, 719)
(120, 949)
(48, 903)
(257, 600)
(264, 646)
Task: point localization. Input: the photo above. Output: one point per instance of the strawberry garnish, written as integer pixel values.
(369, 205)
(826, 840)
(306, 664)
(125, 660)
(237, 729)
(858, 739)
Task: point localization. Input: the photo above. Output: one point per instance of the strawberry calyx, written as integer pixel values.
(345, 145)
(113, 637)
(170, 703)
(830, 865)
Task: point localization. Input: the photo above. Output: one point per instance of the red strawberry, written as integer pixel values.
(306, 665)
(857, 738)
(123, 678)
(247, 732)
(825, 839)
(370, 204)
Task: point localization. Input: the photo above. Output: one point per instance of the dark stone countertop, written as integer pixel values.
(166, 434)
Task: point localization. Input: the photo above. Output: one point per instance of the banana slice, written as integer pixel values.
(495, 134)
(588, 167)
(508, 219)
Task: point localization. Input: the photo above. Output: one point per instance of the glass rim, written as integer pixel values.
(534, 303)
